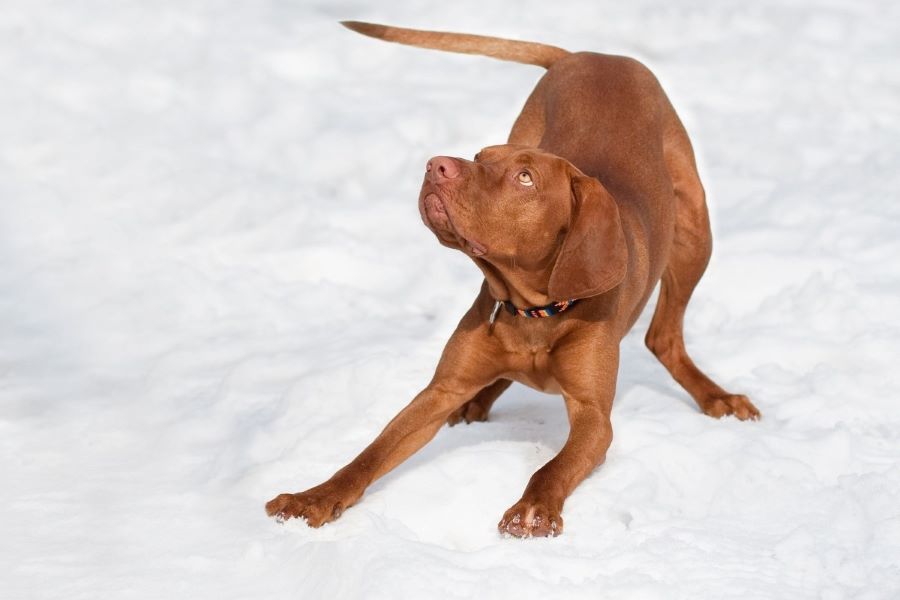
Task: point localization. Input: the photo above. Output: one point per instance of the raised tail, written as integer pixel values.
(529, 53)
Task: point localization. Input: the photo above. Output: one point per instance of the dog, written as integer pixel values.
(594, 199)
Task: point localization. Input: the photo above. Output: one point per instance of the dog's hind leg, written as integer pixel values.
(689, 256)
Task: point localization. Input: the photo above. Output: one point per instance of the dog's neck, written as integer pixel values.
(523, 287)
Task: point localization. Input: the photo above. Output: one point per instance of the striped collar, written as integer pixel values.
(535, 312)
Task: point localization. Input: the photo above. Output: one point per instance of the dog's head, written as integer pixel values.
(519, 208)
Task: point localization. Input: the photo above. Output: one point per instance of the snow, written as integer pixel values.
(215, 287)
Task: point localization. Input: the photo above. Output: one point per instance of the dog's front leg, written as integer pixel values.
(467, 365)
(588, 394)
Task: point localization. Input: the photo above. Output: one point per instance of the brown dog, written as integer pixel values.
(594, 199)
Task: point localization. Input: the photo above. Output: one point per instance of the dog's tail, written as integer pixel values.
(530, 53)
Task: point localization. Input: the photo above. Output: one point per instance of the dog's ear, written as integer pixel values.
(593, 258)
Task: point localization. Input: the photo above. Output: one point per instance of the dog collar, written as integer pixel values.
(535, 312)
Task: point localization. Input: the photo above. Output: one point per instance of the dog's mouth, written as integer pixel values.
(437, 218)
(434, 212)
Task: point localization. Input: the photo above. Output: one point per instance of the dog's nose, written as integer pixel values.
(441, 168)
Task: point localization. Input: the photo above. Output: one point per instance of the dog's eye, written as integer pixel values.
(476, 157)
(524, 177)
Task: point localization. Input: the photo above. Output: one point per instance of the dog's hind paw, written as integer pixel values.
(730, 404)
(470, 412)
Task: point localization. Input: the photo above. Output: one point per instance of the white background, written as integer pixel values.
(215, 287)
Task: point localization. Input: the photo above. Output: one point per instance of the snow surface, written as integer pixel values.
(215, 287)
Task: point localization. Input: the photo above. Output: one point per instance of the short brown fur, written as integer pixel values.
(611, 205)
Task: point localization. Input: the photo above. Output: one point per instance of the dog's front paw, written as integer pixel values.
(731, 404)
(531, 519)
(318, 505)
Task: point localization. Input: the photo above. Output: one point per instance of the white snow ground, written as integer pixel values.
(214, 287)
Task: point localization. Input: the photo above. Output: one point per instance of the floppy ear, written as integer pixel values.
(593, 258)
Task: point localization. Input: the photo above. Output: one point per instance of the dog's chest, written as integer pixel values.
(532, 368)
(530, 353)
